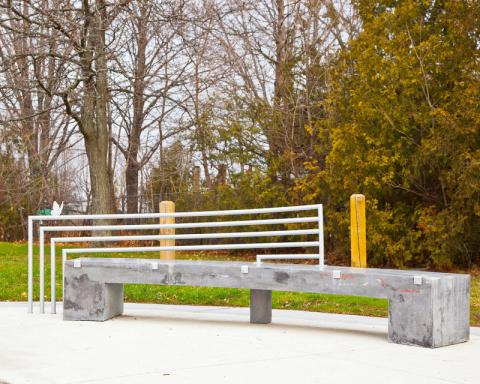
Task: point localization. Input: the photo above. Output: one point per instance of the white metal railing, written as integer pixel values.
(208, 224)
(287, 256)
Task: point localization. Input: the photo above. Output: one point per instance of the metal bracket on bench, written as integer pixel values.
(154, 266)
(77, 263)
(337, 274)
(417, 280)
(244, 268)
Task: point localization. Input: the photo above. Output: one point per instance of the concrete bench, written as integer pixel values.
(425, 309)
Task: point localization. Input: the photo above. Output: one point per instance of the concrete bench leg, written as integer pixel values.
(434, 316)
(90, 300)
(260, 306)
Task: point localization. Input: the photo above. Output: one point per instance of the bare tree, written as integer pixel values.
(146, 75)
(31, 118)
(279, 50)
(80, 35)
(236, 83)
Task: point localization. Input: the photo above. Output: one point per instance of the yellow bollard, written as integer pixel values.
(167, 207)
(358, 231)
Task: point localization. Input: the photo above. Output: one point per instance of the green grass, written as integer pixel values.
(13, 287)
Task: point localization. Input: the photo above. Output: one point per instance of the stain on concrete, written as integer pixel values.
(69, 304)
(165, 280)
(177, 279)
(281, 277)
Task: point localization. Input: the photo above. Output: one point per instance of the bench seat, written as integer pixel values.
(425, 308)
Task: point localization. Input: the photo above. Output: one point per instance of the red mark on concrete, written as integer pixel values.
(382, 283)
(346, 276)
(409, 290)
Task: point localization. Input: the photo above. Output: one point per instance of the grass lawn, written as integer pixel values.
(13, 287)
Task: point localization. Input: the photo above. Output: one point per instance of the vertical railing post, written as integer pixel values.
(321, 247)
(53, 277)
(358, 232)
(64, 259)
(30, 265)
(42, 271)
(167, 207)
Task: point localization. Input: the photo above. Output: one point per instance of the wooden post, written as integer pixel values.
(167, 207)
(358, 232)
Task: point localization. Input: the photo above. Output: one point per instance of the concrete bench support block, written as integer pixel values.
(425, 308)
(90, 300)
(433, 317)
(260, 306)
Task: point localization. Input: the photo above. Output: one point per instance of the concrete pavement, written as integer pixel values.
(185, 344)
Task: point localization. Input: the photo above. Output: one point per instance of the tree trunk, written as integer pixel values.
(100, 177)
(131, 180)
(133, 167)
(278, 131)
(94, 125)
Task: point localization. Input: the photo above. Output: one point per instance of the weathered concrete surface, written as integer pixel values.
(431, 312)
(260, 306)
(184, 345)
(437, 317)
(91, 300)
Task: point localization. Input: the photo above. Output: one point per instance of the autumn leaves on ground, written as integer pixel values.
(13, 285)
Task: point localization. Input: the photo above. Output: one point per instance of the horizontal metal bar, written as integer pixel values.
(291, 256)
(178, 214)
(189, 236)
(300, 244)
(207, 224)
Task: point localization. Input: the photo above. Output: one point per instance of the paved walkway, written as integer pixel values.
(182, 344)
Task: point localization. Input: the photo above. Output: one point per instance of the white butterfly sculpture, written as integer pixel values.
(57, 209)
